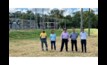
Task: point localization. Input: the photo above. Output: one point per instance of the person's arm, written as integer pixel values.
(77, 35)
(40, 35)
(61, 36)
(86, 34)
(70, 35)
(50, 37)
(55, 37)
(46, 35)
(80, 34)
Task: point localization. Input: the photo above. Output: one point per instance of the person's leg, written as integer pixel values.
(51, 45)
(66, 44)
(42, 45)
(62, 45)
(82, 45)
(76, 45)
(45, 41)
(54, 45)
(85, 46)
(72, 44)
(46, 46)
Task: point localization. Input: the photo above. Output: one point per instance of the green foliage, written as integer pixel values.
(73, 21)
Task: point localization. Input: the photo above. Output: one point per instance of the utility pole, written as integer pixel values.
(81, 16)
(30, 20)
(43, 18)
(65, 22)
(89, 22)
(36, 21)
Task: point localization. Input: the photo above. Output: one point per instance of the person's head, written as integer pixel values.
(43, 31)
(65, 30)
(52, 31)
(82, 30)
(73, 29)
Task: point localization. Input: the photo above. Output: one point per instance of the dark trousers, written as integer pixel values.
(53, 43)
(43, 41)
(64, 41)
(74, 43)
(83, 45)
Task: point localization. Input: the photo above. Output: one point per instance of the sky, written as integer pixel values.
(68, 10)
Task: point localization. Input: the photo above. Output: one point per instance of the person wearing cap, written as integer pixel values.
(43, 38)
(83, 37)
(64, 39)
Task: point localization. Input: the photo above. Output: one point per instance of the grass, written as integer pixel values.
(28, 44)
(31, 34)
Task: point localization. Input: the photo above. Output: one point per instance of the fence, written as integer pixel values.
(17, 24)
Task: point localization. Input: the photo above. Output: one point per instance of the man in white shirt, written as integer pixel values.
(83, 36)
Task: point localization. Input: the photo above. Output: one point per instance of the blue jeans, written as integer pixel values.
(53, 43)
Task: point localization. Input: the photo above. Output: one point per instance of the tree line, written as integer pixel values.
(70, 21)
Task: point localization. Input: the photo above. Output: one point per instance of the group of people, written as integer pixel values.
(64, 40)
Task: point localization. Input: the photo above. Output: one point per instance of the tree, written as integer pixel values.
(43, 15)
(57, 13)
(76, 19)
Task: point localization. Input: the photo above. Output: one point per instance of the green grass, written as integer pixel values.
(26, 43)
(34, 34)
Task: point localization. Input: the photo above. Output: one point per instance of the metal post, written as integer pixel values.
(43, 18)
(65, 22)
(30, 21)
(36, 18)
(81, 15)
(89, 22)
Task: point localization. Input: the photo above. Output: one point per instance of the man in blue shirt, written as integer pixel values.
(83, 37)
(73, 37)
(53, 40)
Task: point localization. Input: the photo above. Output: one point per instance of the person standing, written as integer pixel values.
(83, 36)
(43, 38)
(73, 37)
(65, 39)
(53, 40)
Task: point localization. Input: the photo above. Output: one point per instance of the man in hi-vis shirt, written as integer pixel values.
(43, 38)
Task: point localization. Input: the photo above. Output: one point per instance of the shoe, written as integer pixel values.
(42, 49)
(60, 51)
(46, 49)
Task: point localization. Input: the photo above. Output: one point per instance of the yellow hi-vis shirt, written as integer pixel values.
(43, 35)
